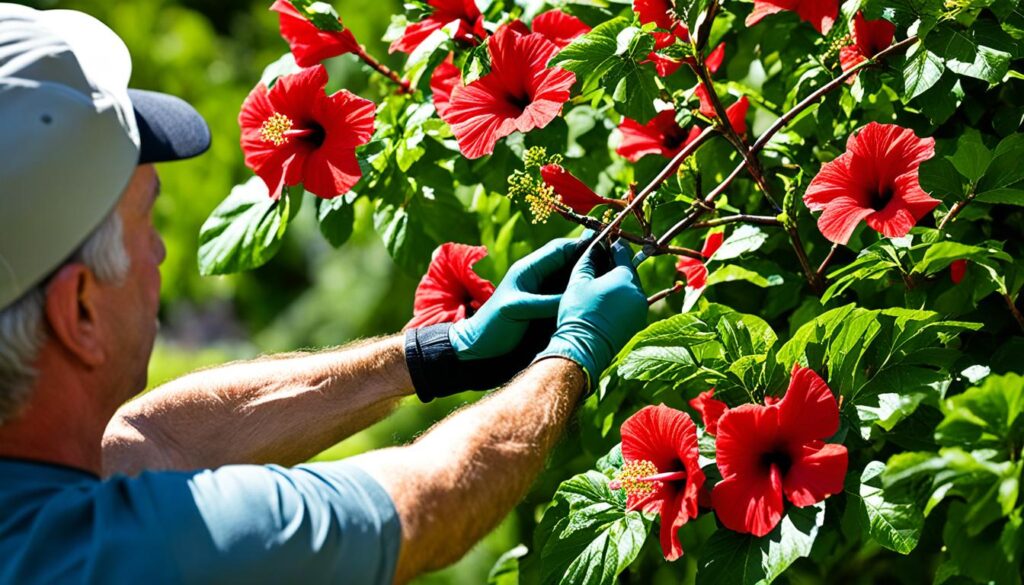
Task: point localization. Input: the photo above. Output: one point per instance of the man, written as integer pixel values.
(189, 483)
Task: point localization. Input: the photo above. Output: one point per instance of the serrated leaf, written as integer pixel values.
(245, 230)
(922, 70)
(587, 536)
(739, 559)
(895, 525)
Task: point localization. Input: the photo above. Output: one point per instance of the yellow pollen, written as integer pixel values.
(635, 470)
(543, 202)
(274, 128)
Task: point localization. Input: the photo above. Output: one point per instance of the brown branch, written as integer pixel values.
(701, 206)
(956, 209)
(816, 282)
(828, 259)
(754, 219)
(677, 288)
(403, 85)
(1014, 310)
(597, 225)
(656, 182)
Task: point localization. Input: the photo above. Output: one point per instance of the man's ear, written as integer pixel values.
(71, 311)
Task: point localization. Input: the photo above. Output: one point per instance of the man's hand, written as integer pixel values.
(487, 349)
(599, 313)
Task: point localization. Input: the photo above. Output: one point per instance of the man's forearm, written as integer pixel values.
(459, 480)
(281, 409)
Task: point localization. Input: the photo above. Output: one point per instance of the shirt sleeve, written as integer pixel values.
(316, 523)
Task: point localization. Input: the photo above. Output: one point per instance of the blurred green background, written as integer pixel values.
(211, 53)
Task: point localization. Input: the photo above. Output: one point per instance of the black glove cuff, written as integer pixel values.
(432, 361)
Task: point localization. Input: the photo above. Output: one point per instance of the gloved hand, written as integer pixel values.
(487, 349)
(599, 313)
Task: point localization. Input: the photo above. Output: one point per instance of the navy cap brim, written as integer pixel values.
(170, 129)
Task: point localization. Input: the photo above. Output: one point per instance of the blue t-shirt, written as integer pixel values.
(316, 523)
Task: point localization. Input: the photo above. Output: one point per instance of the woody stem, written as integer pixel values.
(656, 182)
(1012, 305)
(674, 289)
(828, 259)
(742, 217)
(597, 225)
(955, 210)
(403, 85)
(704, 205)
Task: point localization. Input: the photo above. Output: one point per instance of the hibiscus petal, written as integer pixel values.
(672, 519)
(749, 504)
(450, 288)
(872, 36)
(712, 243)
(744, 433)
(347, 119)
(693, 271)
(710, 410)
(293, 95)
(715, 59)
(442, 81)
(558, 27)
(415, 34)
(820, 13)
(818, 471)
(657, 434)
(737, 114)
(809, 409)
(660, 12)
(329, 173)
(572, 191)
(832, 181)
(841, 217)
(763, 8)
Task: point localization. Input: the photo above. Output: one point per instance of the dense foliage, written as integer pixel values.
(827, 196)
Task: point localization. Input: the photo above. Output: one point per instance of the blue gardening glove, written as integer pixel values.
(599, 313)
(487, 349)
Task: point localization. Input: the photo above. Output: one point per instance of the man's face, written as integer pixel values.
(130, 307)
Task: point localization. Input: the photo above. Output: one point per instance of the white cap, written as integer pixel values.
(70, 137)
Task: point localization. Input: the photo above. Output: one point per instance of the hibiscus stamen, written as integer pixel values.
(641, 477)
(276, 129)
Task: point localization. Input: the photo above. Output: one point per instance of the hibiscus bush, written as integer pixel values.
(825, 198)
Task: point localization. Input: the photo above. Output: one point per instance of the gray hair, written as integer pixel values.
(22, 331)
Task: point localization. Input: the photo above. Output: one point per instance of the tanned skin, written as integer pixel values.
(450, 487)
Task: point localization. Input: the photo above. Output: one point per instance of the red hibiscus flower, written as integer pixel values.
(820, 13)
(694, 270)
(442, 81)
(558, 27)
(450, 290)
(573, 192)
(471, 24)
(874, 180)
(710, 409)
(295, 133)
(661, 474)
(957, 270)
(870, 37)
(309, 44)
(520, 93)
(767, 452)
(662, 135)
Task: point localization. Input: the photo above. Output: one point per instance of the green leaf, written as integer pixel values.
(986, 416)
(245, 230)
(608, 58)
(739, 559)
(734, 272)
(967, 52)
(506, 569)
(284, 65)
(971, 158)
(321, 14)
(939, 256)
(587, 536)
(1005, 173)
(922, 70)
(894, 525)
(940, 178)
(336, 217)
(745, 239)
